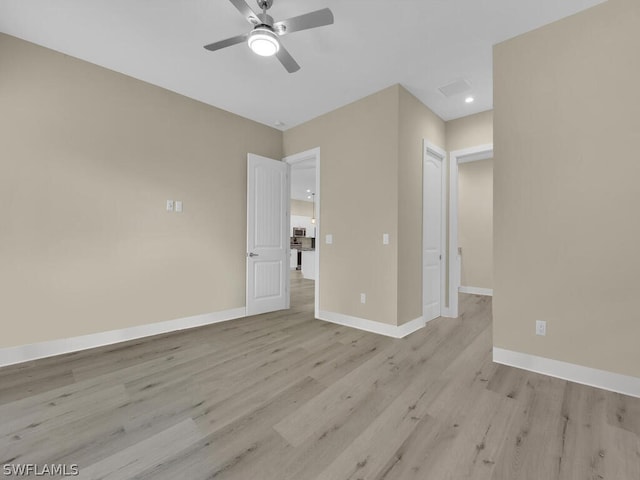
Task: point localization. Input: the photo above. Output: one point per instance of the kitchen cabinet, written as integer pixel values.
(309, 264)
(304, 222)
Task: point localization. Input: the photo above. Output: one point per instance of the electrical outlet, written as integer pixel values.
(328, 239)
(363, 298)
(169, 205)
(178, 206)
(541, 327)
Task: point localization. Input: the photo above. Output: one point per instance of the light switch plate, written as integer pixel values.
(328, 239)
(385, 239)
(541, 328)
(169, 205)
(178, 206)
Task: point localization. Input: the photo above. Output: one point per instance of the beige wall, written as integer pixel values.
(370, 184)
(88, 159)
(470, 131)
(302, 208)
(358, 203)
(567, 132)
(475, 223)
(417, 122)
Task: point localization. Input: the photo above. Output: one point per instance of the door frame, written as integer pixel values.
(313, 153)
(457, 157)
(430, 149)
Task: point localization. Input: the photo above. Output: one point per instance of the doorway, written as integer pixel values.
(456, 160)
(305, 225)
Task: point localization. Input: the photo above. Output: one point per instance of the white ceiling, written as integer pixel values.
(421, 44)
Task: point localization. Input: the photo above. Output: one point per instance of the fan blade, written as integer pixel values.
(315, 19)
(246, 11)
(287, 60)
(227, 43)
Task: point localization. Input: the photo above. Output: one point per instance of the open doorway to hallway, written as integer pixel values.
(471, 223)
(304, 228)
(475, 226)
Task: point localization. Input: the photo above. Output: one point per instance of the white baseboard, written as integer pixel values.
(34, 351)
(446, 312)
(476, 291)
(593, 377)
(394, 331)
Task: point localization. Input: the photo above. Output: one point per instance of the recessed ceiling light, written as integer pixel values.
(308, 196)
(308, 191)
(469, 99)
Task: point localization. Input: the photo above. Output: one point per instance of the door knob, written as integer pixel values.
(251, 254)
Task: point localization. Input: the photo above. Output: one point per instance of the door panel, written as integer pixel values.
(267, 276)
(432, 237)
(267, 235)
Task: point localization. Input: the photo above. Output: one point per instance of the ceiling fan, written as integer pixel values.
(264, 38)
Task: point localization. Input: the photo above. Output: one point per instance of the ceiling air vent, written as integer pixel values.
(455, 88)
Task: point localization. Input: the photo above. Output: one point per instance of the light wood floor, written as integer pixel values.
(283, 396)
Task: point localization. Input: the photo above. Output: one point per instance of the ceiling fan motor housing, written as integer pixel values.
(265, 20)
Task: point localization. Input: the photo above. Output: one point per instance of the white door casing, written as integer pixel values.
(267, 235)
(432, 232)
(313, 154)
(481, 152)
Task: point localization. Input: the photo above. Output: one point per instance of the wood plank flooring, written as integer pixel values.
(282, 396)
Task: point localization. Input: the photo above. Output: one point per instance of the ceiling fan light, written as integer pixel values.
(263, 42)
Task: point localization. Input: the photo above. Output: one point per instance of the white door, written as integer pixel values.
(432, 256)
(267, 235)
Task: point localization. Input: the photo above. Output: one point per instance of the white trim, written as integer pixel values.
(481, 152)
(592, 377)
(446, 313)
(477, 291)
(394, 331)
(485, 152)
(34, 351)
(437, 152)
(288, 240)
(299, 157)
